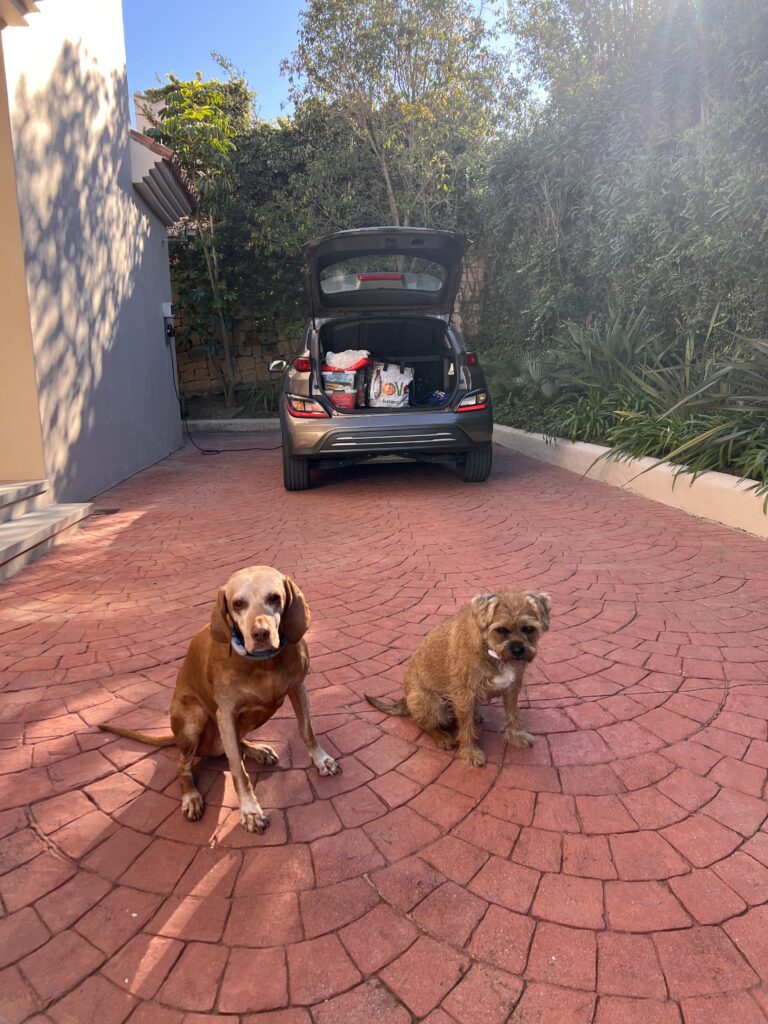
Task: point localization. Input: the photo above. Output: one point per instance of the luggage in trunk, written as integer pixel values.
(421, 343)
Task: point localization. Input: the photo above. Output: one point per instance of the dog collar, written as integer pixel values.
(239, 648)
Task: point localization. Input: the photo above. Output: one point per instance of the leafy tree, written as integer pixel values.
(296, 178)
(202, 122)
(563, 43)
(643, 185)
(419, 81)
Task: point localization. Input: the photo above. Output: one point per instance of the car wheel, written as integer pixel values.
(477, 465)
(295, 472)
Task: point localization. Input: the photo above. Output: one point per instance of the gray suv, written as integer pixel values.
(382, 370)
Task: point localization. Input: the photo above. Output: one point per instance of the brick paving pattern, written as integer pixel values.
(617, 872)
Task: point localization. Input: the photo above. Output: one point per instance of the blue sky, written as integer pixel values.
(178, 35)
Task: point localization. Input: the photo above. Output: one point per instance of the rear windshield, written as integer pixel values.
(389, 274)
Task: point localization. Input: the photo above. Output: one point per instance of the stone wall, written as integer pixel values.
(256, 348)
(472, 292)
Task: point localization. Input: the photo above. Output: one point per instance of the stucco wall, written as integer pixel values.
(96, 260)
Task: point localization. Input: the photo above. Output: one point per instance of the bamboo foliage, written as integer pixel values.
(630, 220)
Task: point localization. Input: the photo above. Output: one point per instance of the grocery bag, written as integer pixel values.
(389, 387)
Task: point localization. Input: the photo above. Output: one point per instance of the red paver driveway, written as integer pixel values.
(617, 872)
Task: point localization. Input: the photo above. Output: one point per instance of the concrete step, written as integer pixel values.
(19, 497)
(29, 536)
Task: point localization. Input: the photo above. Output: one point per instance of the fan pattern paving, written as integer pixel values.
(617, 872)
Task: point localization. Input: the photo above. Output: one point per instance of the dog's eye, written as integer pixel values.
(501, 630)
(239, 605)
(273, 599)
(529, 629)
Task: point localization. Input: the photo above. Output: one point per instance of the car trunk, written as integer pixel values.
(422, 343)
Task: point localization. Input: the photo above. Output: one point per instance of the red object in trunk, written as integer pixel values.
(381, 277)
(342, 400)
(325, 368)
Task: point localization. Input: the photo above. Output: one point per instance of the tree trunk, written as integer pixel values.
(379, 154)
(228, 362)
(393, 207)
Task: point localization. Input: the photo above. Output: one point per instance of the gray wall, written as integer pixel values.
(96, 258)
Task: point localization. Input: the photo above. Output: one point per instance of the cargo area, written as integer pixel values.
(420, 344)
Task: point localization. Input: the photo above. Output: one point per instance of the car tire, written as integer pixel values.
(295, 472)
(477, 465)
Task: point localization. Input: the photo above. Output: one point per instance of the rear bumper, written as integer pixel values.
(391, 433)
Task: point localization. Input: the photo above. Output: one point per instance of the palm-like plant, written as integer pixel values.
(717, 423)
(598, 357)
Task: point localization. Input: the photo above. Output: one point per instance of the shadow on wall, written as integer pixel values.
(96, 274)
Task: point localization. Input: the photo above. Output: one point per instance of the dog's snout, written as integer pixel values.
(260, 634)
(517, 650)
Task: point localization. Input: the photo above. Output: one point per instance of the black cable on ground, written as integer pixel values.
(210, 451)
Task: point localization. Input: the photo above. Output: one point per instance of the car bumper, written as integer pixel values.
(390, 433)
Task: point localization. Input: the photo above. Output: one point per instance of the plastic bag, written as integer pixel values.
(389, 387)
(350, 359)
(435, 398)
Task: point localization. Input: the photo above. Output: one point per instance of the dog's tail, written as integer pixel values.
(142, 737)
(398, 708)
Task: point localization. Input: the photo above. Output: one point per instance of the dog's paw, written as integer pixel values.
(254, 820)
(251, 816)
(520, 739)
(473, 756)
(443, 740)
(192, 806)
(262, 753)
(325, 764)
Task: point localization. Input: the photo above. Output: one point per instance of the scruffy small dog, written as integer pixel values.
(479, 653)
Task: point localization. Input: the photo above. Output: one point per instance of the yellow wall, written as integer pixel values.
(21, 443)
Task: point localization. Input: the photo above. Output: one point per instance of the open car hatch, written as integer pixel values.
(384, 269)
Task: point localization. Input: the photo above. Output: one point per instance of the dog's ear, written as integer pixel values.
(484, 607)
(295, 621)
(221, 620)
(543, 605)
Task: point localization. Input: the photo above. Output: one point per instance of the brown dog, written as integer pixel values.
(237, 672)
(479, 653)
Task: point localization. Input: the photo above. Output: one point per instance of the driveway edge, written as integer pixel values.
(233, 426)
(718, 497)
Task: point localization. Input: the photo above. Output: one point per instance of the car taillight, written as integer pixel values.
(471, 358)
(381, 277)
(304, 408)
(475, 400)
(303, 364)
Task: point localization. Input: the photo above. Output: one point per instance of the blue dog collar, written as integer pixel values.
(239, 648)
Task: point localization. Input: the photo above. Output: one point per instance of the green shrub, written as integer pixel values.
(618, 384)
(591, 416)
(262, 396)
(720, 423)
